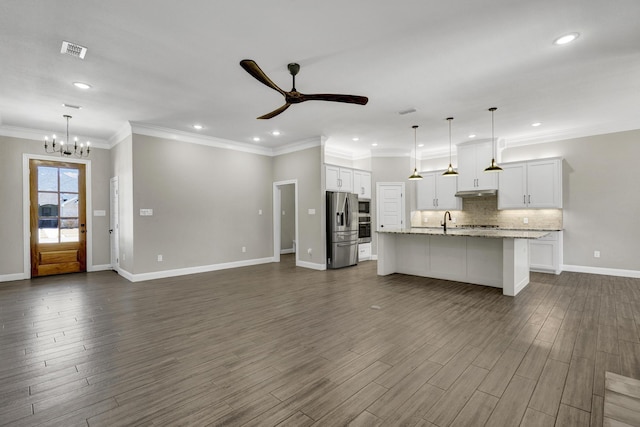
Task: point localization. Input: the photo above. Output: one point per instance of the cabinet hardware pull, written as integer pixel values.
(524, 199)
(529, 198)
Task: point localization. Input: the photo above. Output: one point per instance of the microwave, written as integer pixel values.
(364, 206)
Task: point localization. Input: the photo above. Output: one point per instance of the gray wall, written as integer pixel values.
(11, 213)
(305, 166)
(205, 203)
(601, 197)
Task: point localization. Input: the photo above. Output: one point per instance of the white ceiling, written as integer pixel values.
(175, 63)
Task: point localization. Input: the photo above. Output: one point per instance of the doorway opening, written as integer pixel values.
(285, 219)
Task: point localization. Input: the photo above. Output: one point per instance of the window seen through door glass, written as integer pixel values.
(57, 205)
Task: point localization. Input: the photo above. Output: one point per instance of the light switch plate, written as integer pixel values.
(99, 213)
(146, 212)
(312, 211)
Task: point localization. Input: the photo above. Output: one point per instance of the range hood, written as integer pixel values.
(477, 193)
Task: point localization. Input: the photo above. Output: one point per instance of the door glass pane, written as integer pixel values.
(69, 180)
(69, 230)
(68, 205)
(47, 178)
(48, 217)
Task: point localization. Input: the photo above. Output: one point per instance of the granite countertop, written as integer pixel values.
(497, 233)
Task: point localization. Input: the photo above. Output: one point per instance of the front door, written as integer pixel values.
(58, 217)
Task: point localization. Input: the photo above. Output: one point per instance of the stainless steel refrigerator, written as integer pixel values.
(342, 229)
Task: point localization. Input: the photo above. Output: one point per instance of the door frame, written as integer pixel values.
(277, 220)
(114, 234)
(26, 212)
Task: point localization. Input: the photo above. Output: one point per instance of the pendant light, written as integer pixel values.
(450, 170)
(493, 167)
(415, 175)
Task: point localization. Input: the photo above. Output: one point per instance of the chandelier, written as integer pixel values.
(65, 149)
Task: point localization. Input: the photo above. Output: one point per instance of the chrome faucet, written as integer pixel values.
(444, 223)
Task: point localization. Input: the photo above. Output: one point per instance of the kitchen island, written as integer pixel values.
(490, 257)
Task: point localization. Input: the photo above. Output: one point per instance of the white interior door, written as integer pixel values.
(114, 226)
(390, 205)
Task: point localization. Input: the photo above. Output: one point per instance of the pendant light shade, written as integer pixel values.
(450, 170)
(493, 167)
(415, 175)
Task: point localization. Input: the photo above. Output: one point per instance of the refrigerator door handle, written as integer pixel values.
(346, 211)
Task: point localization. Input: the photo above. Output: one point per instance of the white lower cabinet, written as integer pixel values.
(545, 253)
(364, 251)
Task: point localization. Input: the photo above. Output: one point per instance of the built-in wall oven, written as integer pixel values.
(364, 228)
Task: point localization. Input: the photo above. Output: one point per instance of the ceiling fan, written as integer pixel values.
(293, 96)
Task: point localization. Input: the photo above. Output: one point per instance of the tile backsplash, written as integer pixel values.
(484, 211)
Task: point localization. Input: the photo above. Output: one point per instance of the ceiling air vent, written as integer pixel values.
(73, 49)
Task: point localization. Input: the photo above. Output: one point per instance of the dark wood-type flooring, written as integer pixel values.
(274, 344)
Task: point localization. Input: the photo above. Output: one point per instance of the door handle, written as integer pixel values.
(110, 230)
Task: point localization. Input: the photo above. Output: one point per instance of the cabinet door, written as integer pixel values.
(426, 192)
(362, 184)
(512, 186)
(544, 184)
(484, 154)
(346, 180)
(466, 167)
(332, 178)
(446, 187)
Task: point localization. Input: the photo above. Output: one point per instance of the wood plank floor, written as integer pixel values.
(274, 344)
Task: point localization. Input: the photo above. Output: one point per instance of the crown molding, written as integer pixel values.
(297, 146)
(160, 132)
(120, 135)
(38, 135)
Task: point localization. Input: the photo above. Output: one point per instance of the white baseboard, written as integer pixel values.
(287, 251)
(603, 271)
(12, 277)
(374, 257)
(311, 265)
(194, 270)
(101, 267)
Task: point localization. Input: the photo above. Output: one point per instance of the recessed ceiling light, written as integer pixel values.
(197, 127)
(256, 139)
(536, 124)
(355, 138)
(567, 38)
(81, 85)
(473, 135)
(75, 107)
(420, 145)
(275, 133)
(375, 144)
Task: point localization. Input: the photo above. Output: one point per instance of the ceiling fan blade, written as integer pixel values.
(252, 68)
(275, 112)
(350, 99)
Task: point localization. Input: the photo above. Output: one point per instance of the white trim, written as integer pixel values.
(26, 212)
(602, 270)
(286, 251)
(191, 270)
(374, 257)
(38, 135)
(210, 141)
(120, 135)
(311, 265)
(101, 267)
(297, 146)
(12, 277)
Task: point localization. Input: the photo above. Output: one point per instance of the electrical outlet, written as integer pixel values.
(454, 220)
(596, 254)
(425, 220)
(309, 251)
(244, 249)
(526, 220)
(159, 258)
(259, 211)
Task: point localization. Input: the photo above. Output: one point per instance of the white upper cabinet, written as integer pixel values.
(362, 184)
(535, 184)
(473, 158)
(437, 192)
(338, 179)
